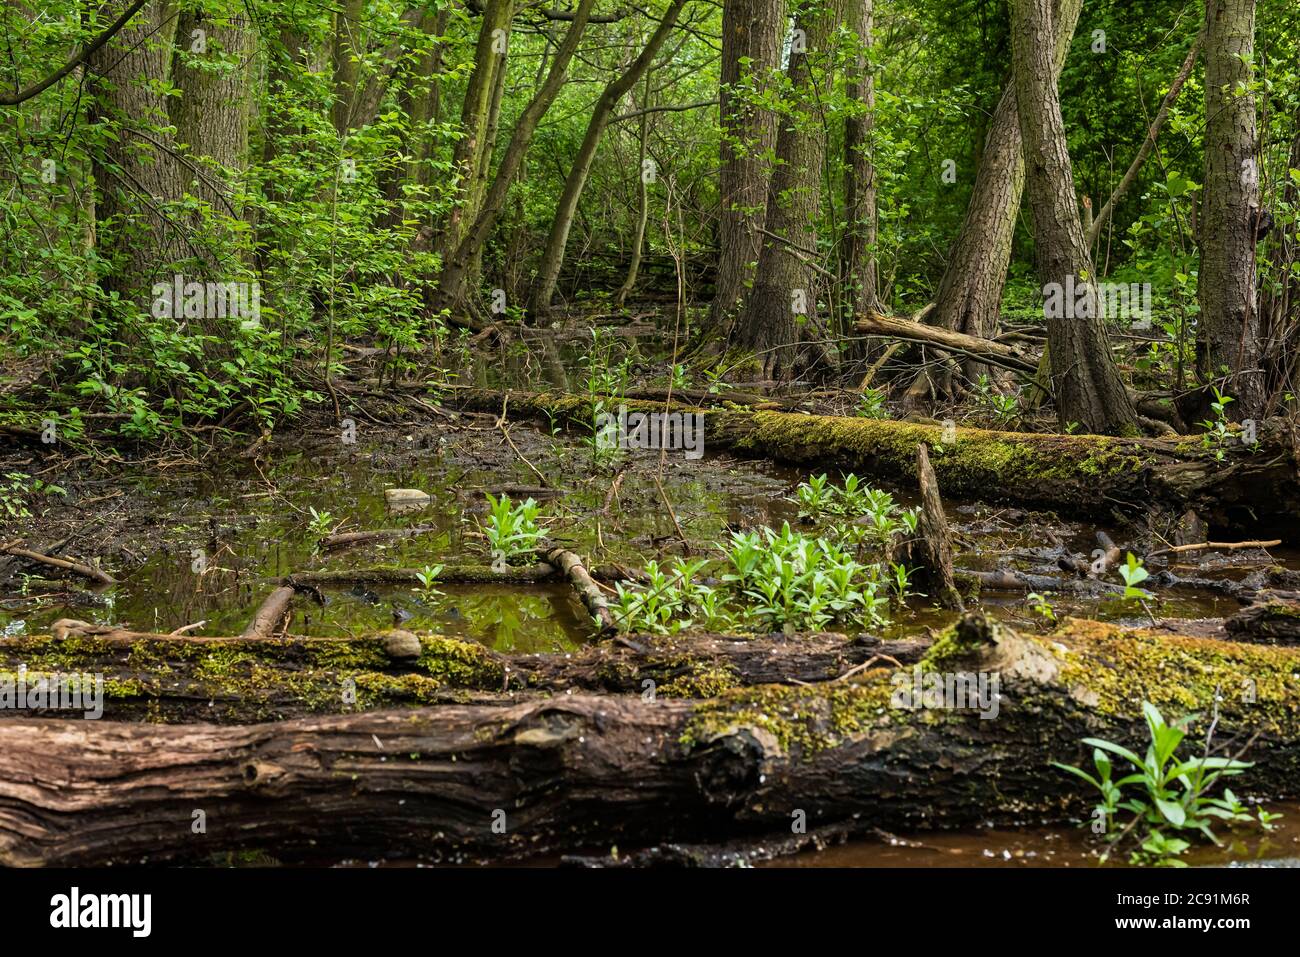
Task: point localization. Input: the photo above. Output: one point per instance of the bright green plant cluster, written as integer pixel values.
(773, 580)
(1166, 795)
(512, 530)
(16, 488)
(874, 517)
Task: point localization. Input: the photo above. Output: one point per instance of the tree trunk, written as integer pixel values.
(970, 293)
(752, 31)
(544, 776)
(453, 281)
(548, 272)
(1230, 338)
(349, 45)
(1086, 383)
(137, 173)
(214, 109)
(784, 294)
(860, 238)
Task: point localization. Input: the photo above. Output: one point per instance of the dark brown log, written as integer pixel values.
(578, 770)
(1272, 620)
(77, 568)
(935, 548)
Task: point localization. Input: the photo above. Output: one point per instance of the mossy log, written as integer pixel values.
(1082, 475)
(174, 679)
(464, 782)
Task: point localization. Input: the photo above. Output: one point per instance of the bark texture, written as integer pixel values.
(1086, 383)
(752, 31)
(1230, 339)
(594, 770)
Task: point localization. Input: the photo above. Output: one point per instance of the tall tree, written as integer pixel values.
(490, 53)
(548, 272)
(784, 297)
(970, 293)
(860, 173)
(752, 31)
(1230, 338)
(455, 271)
(136, 171)
(1085, 380)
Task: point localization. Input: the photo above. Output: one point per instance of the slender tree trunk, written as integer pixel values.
(452, 283)
(1230, 340)
(1086, 382)
(860, 174)
(467, 158)
(349, 46)
(784, 297)
(970, 293)
(548, 273)
(643, 198)
(752, 31)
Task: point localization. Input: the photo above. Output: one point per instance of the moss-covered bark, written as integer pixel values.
(1250, 486)
(588, 770)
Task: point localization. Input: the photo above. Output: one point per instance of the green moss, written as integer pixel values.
(461, 663)
(1114, 670)
(803, 719)
(701, 681)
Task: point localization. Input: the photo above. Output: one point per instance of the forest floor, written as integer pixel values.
(195, 544)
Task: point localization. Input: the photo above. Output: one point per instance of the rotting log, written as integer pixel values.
(1271, 620)
(271, 615)
(1078, 475)
(578, 770)
(996, 353)
(588, 591)
(169, 678)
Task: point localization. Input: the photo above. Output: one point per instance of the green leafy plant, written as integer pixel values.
(428, 577)
(1164, 792)
(1133, 574)
(17, 488)
(321, 524)
(512, 530)
(871, 404)
(1041, 606)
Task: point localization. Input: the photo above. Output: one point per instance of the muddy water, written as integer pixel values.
(1062, 846)
(209, 545)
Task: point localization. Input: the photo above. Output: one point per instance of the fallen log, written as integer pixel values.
(271, 616)
(494, 783)
(588, 591)
(1080, 475)
(162, 677)
(986, 350)
(62, 564)
(1274, 621)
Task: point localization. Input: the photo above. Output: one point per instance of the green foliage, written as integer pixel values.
(512, 530)
(1133, 574)
(1164, 793)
